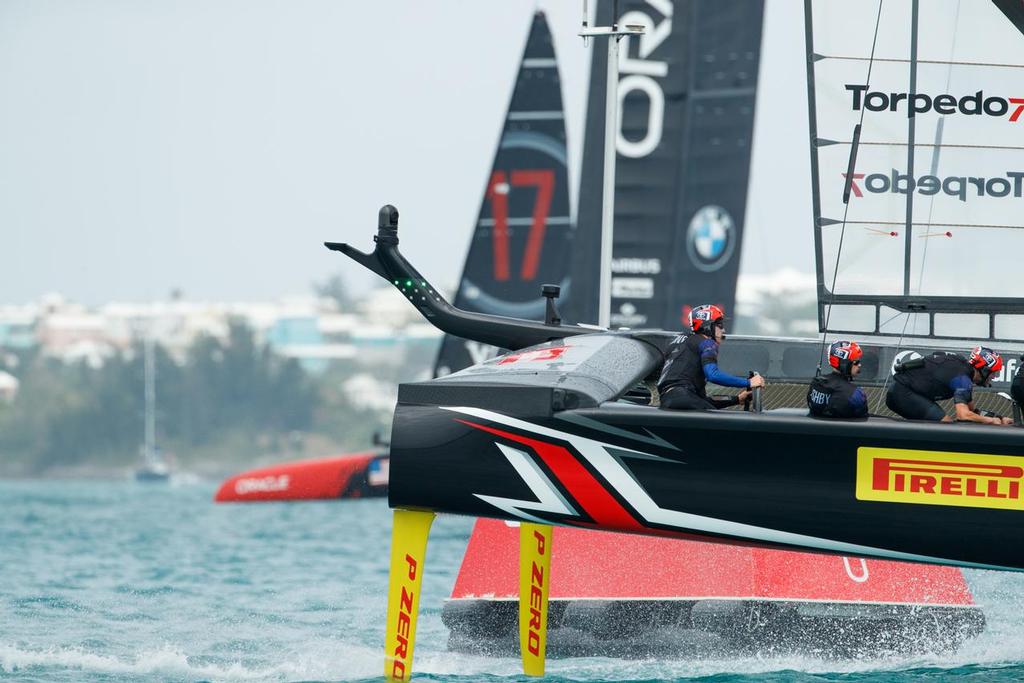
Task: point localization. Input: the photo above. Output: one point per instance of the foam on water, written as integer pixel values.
(172, 663)
(121, 582)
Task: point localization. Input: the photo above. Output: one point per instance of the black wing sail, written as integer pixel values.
(916, 137)
(522, 235)
(1014, 11)
(687, 88)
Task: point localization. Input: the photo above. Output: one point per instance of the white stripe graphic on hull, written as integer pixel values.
(548, 497)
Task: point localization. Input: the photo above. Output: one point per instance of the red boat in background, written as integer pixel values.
(356, 475)
(620, 595)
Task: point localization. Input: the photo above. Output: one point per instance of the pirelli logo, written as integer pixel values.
(894, 475)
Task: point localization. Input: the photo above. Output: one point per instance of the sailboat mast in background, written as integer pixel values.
(154, 467)
(150, 403)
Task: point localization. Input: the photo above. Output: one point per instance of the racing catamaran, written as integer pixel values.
(547, 434)
(542, 436)
(688, 106)
(352, 475)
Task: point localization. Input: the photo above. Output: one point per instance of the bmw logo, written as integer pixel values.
(710, 238)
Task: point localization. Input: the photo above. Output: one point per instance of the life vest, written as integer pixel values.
(684, 367)
(832, 395)
(931, 376)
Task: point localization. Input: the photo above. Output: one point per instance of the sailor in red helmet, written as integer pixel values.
(693, 362)
(834, 394)
(920, 382)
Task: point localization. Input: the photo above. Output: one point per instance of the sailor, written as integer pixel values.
(693, 362)
(920, 382)
(834, 394)
(1017, 386)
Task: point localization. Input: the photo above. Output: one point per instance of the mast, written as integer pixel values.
(686, 96)
(611, 127)
(908, 235)
(150, 400)
(812, 123)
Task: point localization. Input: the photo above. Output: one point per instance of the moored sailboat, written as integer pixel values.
(154, 467)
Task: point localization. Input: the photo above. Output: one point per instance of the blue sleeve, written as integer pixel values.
(963, 389)
(859, 402)
(715, 375)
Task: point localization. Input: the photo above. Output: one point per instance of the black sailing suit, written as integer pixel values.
(692, 362)
(915, 390)
(1017, 385)
(833, 395)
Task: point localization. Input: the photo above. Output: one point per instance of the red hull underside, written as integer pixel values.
(603, 565)
(355, 475)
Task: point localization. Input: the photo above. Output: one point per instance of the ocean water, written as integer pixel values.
(119, 581)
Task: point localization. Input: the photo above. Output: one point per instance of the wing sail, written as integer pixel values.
(687, 90)
(934, 220)
(522, 236)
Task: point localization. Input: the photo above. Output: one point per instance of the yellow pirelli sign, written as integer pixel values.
(895, 475)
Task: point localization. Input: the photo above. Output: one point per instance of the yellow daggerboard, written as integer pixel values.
(408, 553)
(534, 580)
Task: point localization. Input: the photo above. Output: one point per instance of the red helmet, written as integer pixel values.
(986, 361)
(703, 318)
(842, 355)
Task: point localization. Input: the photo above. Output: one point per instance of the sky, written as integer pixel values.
(211, 146)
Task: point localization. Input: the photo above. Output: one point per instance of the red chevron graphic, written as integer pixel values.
(592, 496)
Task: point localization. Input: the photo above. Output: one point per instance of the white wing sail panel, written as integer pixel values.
(931, 219)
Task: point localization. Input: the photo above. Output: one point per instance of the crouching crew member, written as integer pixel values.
(693, 362)
(834, 394)
(1017, 388)
(922, 381)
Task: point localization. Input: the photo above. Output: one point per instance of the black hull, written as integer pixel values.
(543, 435)
(760, 479)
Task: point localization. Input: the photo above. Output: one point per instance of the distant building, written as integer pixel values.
(301, 338)
(381, 328)
(18, 326)
(74, 334)
(366, 391)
